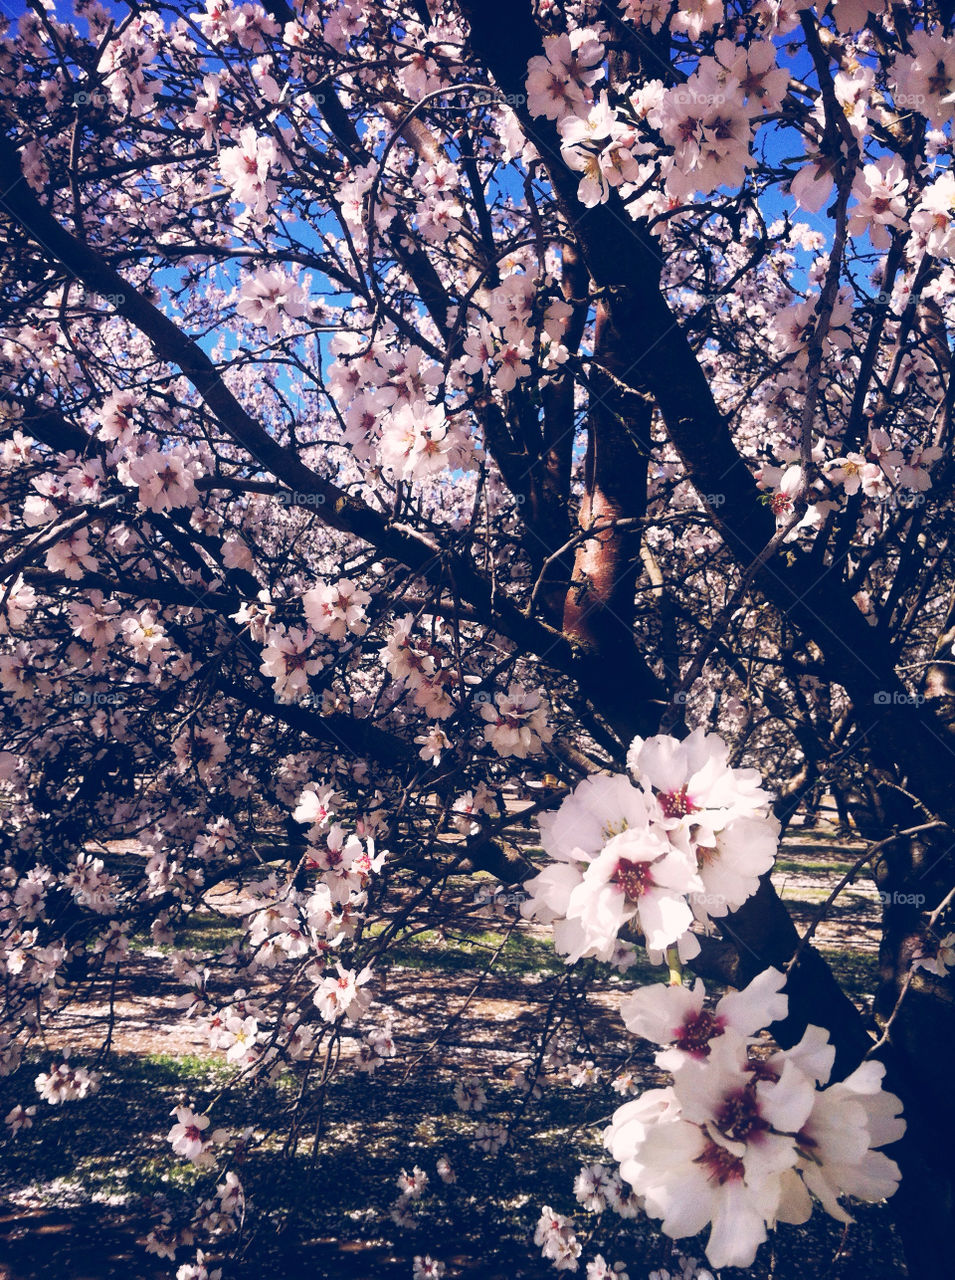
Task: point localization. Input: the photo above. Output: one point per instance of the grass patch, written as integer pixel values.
(458, 952)
(856, 971)
(800, 866)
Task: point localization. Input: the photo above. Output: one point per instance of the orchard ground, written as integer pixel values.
(470, 1001)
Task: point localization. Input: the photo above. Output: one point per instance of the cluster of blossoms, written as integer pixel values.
(705, 125)
(188, 1137)
(303, 921)
(287, 661)
(516, 723)
(217, 1216)
(688, 840)
(882, 474)
(598, 1188)
(63, 1083)
(412, 1186)
(285, 923)
(337, 609)
(557, 1240)
(390, 415)
(504, 343)
(743, 1139)
(423, 665)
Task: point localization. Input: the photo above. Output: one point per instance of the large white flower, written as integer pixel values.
(692, 839)
(693, 783)
(675, 1016)
(598, 808)
(720, 1150)
(740, 1142)
(848, 1121)
(730, 868)
(740, 1102)
(638, 876)
(718, 814)
(690, 1181)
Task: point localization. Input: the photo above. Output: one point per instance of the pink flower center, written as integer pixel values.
(739, 1116)
(634, 878)
(697, 1032)
(721, 1165)
(763, 1071)
(676, 804)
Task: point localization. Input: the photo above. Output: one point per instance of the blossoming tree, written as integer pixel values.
(420, 421)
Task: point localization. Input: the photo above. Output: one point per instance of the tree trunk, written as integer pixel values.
(915, 1012)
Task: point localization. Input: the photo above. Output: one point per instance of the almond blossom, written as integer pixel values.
(556, 1240)
(246, 167)
(63, 1083)
(516, 723)
(186, 1135)
(558, 82)
(879, 190)
(640, 877)
(285, 659)
(675, 1015)
(344, 996)
(334, 609)
(269, 298)
(738, 1142)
